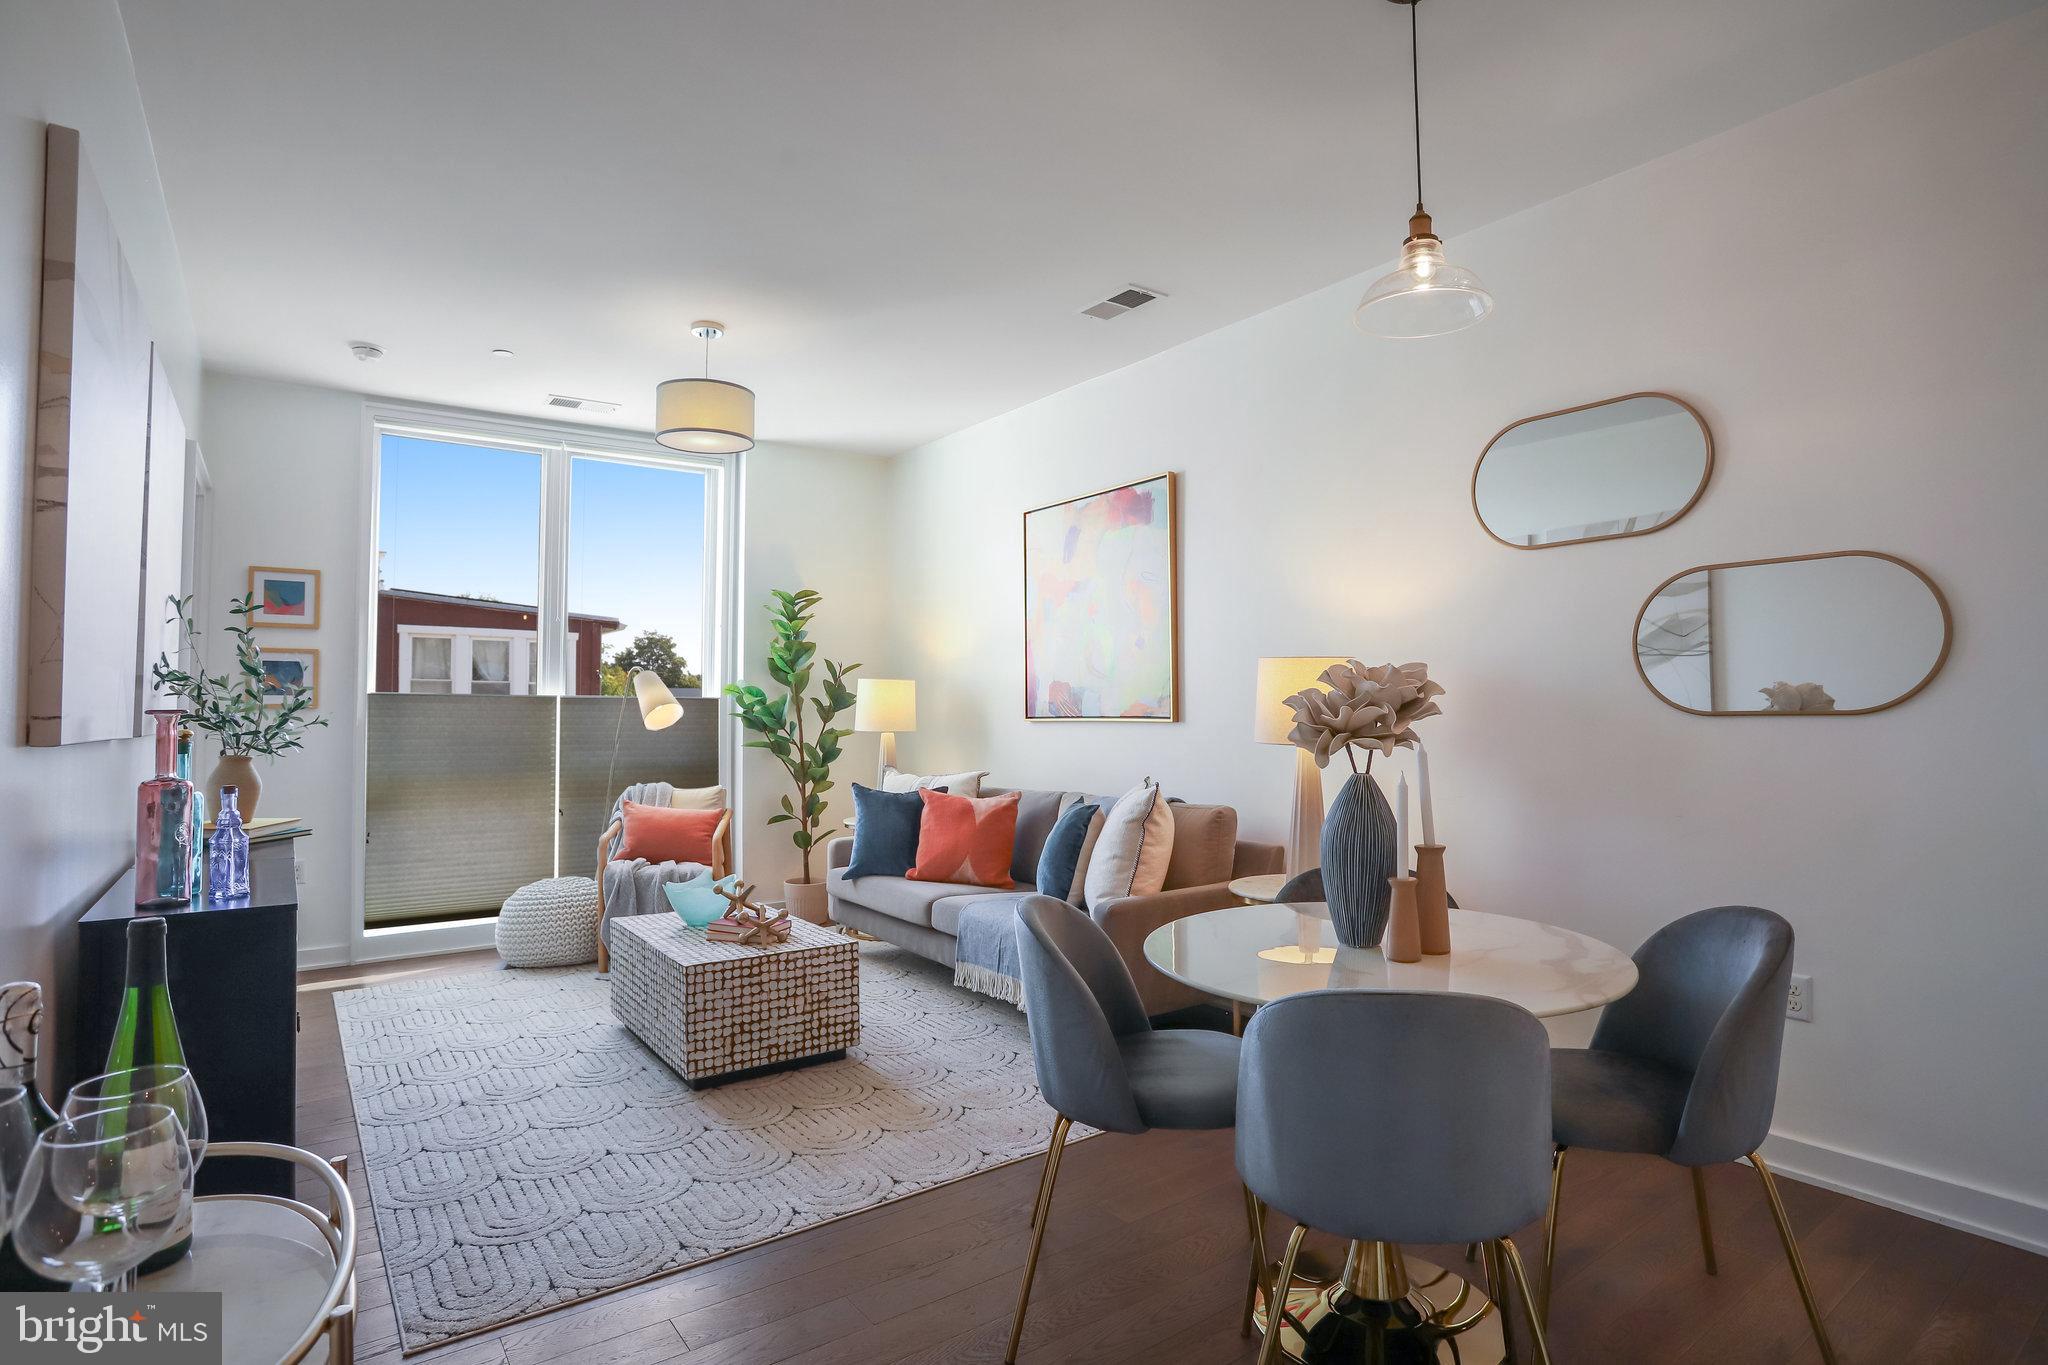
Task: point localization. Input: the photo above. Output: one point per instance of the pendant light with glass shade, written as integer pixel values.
(705, 416)
(1425, 296)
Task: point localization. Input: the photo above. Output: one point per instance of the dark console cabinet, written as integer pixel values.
(234, 988)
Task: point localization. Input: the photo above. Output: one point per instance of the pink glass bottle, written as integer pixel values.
(163, 824)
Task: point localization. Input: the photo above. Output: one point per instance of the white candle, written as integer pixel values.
(1401, 827)
(1422, 780)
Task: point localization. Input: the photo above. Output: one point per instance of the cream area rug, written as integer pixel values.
(525, 1151)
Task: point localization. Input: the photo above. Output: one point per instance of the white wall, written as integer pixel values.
(1851, 290)
(290, 481)
(69, 813)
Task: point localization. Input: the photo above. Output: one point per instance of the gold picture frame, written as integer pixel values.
(268, 583)
(1041, 635)
(309, 667)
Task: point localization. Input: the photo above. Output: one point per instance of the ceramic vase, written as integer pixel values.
(1358, 858)
(237, 771)
(807, 901)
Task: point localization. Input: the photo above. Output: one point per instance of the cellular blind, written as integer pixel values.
(685, 755)
(461, 804)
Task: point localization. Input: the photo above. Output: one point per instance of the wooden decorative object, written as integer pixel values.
(1403, 941)
(1432, 899)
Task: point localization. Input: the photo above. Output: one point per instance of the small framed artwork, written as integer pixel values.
(1102, 605)
(288, 668)
(285, 597)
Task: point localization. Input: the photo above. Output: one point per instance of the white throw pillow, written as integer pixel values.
(1136, 843)
(958, 784)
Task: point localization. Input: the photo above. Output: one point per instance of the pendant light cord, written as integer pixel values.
(707, 339)
(1415, 89)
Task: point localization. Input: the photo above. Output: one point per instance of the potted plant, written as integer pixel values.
(232, 707)
(785, 732)
(1371, 709)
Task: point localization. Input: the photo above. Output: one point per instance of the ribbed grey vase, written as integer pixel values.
(1358, 858)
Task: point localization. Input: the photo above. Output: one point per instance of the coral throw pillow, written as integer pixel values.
(663, 835)
(966, 839)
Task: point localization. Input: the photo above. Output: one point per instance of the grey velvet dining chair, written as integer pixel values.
(1101, 1063)
(1685, 1067)
(1398, 1116)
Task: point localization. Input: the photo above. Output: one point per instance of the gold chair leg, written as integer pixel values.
(1497, 1290)
(1820, 1331)
(1044, 1211)
(1699, 1202)
(1521, 1279)
(1045, 1174)
(1276, 1301)
(1550, 1234)
(1256, 1218)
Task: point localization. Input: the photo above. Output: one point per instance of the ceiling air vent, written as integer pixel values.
(562, 400)
(1116, 305)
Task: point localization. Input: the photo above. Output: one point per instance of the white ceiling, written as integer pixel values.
(898, 206)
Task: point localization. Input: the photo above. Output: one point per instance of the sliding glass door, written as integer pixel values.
(520, 582)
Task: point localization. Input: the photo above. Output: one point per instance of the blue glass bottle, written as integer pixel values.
(198, 807)
(227, 857)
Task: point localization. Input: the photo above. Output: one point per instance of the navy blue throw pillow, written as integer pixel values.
(1062, 856)
(884, 831)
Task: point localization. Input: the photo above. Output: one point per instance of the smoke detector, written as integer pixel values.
(1116, 305)
(365, 351)
(563, 400)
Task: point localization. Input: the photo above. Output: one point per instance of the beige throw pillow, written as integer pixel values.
(1136, 843)
(956, 784)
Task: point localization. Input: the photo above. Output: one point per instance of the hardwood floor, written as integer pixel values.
(1144, 1261)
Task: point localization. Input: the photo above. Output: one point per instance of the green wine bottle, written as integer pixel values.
(146, 1032)
(21, 1029)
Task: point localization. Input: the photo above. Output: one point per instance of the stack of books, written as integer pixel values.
(725, 929)
(270, 827)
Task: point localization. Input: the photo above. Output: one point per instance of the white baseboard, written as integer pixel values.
(1999, 1215)
(322, 955)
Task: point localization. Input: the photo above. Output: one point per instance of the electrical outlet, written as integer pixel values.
(298, 872)
(1799, 1000)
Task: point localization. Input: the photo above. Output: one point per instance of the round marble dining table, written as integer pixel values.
(1253, 954)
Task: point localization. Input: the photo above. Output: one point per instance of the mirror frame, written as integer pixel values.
(1948, 635)
(1706, 470)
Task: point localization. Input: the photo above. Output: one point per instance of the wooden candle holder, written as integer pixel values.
(1432, 899)
(1403, 941)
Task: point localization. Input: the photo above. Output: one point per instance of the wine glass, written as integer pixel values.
(17, 1137)
(168, 1085)
(101, 1192)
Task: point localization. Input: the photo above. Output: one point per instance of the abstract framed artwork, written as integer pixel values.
(1102, 605)
(287, 598)
(286, 668)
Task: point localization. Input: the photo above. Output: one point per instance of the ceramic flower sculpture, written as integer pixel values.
(1792, 697)
(1363, 708)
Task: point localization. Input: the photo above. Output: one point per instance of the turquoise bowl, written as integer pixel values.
(695, 902)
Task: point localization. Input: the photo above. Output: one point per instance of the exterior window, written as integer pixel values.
(433, 659)
(490, 667)
(532, 666)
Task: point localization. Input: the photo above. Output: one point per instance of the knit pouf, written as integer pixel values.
(552, 923)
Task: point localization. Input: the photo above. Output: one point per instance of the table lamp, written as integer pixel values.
(888, 705)
(1272, 718)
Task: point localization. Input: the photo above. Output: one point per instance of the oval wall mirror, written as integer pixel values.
(1621, 467)
(1844, 634)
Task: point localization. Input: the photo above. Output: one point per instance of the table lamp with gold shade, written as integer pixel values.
(1279, 679)
(888, 705)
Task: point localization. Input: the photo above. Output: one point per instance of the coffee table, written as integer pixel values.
(718, 1012)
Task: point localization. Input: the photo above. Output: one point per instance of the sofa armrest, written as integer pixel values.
(838, 851)
(1129, 919)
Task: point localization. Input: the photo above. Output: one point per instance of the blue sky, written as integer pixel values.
(466, 519)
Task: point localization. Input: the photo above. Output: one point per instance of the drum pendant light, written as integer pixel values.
(704, 416)
(1425, 296)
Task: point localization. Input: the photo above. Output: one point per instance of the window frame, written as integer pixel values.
(557, 444)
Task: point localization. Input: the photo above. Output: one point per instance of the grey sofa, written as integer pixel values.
(924, 916)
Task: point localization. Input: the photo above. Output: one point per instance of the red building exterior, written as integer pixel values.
(427, 611)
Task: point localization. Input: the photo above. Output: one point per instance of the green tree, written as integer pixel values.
(652, 651)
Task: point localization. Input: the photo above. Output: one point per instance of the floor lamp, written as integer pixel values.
(890, 706)
(1279, 679)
